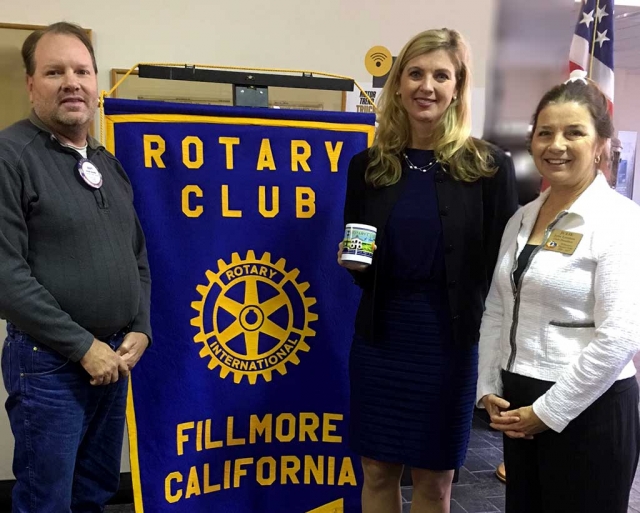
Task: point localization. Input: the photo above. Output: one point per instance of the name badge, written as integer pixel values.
(89, 173)
(562, 241)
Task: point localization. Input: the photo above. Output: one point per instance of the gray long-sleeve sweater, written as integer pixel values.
(73, 261)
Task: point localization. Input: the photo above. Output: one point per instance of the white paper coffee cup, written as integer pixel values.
(358, 242)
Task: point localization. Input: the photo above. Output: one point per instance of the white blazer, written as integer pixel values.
(576, 318)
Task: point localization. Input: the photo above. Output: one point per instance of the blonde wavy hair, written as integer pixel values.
(465, 158)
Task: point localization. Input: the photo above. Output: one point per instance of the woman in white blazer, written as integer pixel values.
(562, 322)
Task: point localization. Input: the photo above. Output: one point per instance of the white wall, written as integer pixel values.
(329, 35)
(626, 114)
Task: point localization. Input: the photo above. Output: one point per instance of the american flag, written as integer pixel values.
(594, 35)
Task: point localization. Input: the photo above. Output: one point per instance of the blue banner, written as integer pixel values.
(241, 403)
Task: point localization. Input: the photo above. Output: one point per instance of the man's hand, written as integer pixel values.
(132, 347)
(103, 364)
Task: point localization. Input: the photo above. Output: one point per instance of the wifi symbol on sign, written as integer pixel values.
(378, 61)
(378, 58)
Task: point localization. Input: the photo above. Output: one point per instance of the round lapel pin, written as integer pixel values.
(89, 173)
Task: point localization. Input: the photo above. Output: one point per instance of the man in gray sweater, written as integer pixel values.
(74, 285)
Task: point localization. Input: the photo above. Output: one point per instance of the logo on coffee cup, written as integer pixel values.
(358, 243)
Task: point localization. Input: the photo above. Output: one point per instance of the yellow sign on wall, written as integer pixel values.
(378, 61)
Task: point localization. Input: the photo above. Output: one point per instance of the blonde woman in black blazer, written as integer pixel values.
(439, 200)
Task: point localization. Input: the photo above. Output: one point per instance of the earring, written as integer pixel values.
(397, 93)
(598, 159)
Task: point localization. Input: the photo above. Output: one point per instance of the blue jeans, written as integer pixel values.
(68, 433)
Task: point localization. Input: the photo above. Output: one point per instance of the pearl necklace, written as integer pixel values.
(424, 169)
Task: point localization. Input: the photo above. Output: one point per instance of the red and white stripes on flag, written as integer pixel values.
(592, 45)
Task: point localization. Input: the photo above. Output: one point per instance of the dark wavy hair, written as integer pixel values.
(583, 92)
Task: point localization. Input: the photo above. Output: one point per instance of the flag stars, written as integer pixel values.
(602, 37)
(587, 18)
(601, 13)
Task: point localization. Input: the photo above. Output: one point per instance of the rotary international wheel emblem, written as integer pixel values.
(253, 317)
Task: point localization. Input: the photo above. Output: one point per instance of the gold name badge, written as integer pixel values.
(561, 241)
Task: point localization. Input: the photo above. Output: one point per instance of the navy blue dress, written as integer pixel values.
(412, 396)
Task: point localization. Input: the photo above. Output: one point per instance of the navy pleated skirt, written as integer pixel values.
(413, 393)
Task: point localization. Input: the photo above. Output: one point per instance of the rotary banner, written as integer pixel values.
(241, 403)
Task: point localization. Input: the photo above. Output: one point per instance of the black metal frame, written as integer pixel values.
(242, 79)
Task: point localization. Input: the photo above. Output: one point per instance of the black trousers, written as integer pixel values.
(588, 468)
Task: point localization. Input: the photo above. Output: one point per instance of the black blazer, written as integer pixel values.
(473, 218)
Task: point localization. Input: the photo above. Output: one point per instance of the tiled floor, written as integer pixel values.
(478, 490)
